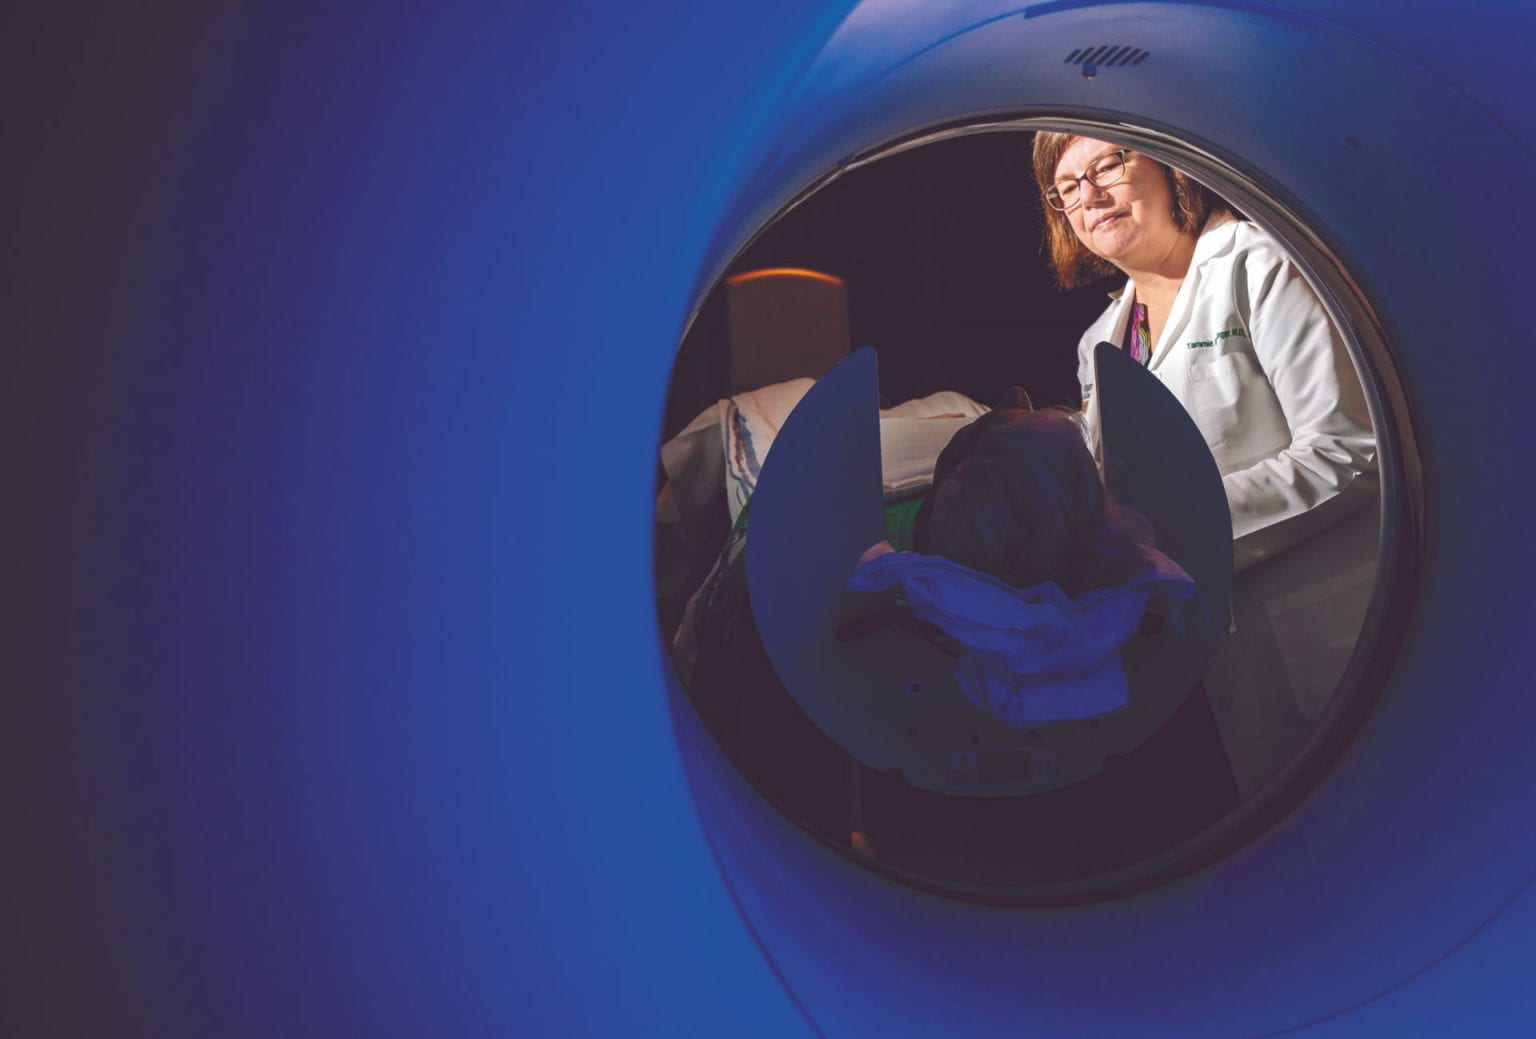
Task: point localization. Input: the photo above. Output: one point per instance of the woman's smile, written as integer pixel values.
(1104, 221)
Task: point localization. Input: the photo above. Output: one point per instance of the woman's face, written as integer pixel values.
(1130, 222)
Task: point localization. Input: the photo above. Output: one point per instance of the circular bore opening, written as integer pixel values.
(928, 248)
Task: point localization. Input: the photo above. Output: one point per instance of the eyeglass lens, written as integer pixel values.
(1101, 173)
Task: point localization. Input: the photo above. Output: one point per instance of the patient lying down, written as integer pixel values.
(1020, 556)
(1023, 559)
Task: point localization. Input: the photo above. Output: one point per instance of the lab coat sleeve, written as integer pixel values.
(1328, 469)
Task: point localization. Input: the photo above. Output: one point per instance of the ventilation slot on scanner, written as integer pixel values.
(1107, 56)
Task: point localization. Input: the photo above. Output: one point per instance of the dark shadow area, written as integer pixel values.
(939, 248)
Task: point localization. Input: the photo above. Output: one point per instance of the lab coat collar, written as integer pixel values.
(1215, 236)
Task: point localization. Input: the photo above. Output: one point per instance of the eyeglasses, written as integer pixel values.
(1101, 173)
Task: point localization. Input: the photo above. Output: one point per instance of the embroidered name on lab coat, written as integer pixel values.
(1218, 337)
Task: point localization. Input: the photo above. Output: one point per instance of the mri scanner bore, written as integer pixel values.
(940, 256)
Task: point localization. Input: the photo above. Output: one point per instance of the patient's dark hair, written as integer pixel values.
(1016, 494)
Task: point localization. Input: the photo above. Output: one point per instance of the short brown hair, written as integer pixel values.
(1075, 266)
(1016, 494)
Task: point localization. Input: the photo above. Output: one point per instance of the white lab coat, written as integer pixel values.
(1251, 354)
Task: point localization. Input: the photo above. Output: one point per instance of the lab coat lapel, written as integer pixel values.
(1122, 314)
(1178, 317)
(1183, 301)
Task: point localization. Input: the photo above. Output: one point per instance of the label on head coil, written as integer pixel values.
(1026, 768)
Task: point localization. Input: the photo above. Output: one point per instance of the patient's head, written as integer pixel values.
(1016, 494)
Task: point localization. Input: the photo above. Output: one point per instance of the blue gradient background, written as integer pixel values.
(320, 324)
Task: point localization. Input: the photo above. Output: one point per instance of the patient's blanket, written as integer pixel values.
(1031, 655)
(726, 444)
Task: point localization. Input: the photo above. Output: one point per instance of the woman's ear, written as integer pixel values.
(1015, 400)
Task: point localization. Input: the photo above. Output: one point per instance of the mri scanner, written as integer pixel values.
(339, 704)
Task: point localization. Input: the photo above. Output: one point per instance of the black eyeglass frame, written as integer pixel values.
(1053, 194)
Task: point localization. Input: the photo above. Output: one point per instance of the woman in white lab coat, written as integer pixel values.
(1214, 308)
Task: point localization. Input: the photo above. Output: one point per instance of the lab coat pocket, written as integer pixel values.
(1214, 388)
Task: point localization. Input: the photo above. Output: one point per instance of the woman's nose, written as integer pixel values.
(1089, 192)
